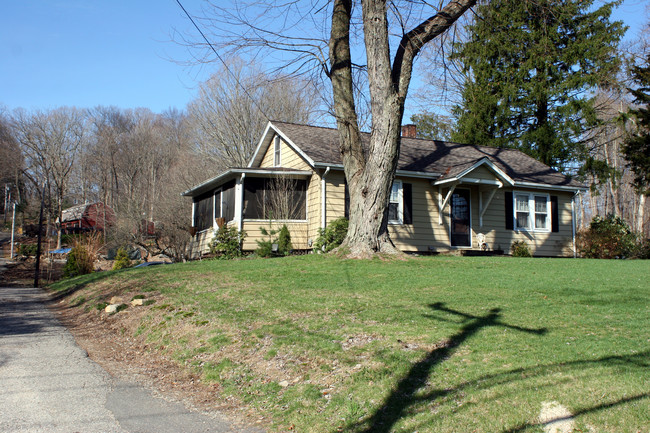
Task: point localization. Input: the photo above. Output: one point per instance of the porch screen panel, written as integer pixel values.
(228, 201)
(254, 198)
(276, 199)
(203, 209)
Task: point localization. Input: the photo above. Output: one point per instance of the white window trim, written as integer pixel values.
(277, 152)
(531, 212)
(400, 203)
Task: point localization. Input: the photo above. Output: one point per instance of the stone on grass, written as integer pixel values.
(284, 384)
(112, 308)
(137, 302)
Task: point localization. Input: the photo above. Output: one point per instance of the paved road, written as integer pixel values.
(48, 383)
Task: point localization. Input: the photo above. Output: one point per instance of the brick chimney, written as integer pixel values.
(409, 131)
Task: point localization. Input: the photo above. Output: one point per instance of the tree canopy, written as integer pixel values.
(531, 66)
(637, 146)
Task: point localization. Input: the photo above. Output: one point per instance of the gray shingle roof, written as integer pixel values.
(441, 158)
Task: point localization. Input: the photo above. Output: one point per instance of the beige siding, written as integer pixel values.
(335, 199)
(313, 206)
(288, 157)
(201, 243)
(427, 234)
(298, 230)
(482, 172)
(540, 243)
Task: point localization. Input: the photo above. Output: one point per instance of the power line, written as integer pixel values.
(221, 59)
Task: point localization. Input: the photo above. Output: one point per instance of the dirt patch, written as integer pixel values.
(109, 341)
(556, 418)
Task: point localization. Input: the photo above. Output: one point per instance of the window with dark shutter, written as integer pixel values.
(509, 210)
(407, 195)
(555, 217)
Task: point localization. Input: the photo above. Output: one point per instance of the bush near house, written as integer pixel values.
(227, 242)
(610, 237)
(332, 236)
(520, 249)
(282, 240)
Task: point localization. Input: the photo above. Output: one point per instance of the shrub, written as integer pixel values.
(227, 242)
(284, 241)
(608, 238)
(28, 250)
(332, 236)
(122, 260)
(80, 262)
(520, 249)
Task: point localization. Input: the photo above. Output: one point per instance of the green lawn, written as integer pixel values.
(444, 344)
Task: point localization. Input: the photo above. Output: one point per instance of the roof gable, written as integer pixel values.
(267, 139)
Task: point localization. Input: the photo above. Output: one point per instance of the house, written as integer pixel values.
(86, 217)
(445, 197)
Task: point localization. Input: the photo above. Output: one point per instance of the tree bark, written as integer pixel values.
(370, 170)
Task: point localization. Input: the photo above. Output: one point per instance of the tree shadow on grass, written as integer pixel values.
(404, 395)
(524, 426)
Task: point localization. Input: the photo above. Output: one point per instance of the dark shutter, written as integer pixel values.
(509, 211)
(555, 220)
(347, 201)
(407, 196)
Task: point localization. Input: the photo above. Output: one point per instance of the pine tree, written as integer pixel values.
(531, 65)
(637, 146)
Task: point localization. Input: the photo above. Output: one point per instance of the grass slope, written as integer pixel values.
(445, 344)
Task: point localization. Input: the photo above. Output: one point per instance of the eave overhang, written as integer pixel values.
(233, 173)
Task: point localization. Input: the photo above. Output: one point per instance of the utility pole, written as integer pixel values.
(37, 272)
(13, 228)
(4, 209)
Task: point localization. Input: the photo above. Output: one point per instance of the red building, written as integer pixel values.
(86, 217)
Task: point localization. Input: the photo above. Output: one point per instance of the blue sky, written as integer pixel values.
(86, 53)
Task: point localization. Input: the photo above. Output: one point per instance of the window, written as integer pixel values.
(276, 151)
(541, 212)
(395, 206)
(531, 212)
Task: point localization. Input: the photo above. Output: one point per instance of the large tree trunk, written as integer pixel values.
(370, 171)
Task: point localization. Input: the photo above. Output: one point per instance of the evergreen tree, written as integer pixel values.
(531, 65)
(637, 146)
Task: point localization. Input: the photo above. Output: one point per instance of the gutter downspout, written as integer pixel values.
(323, 190)
(240, 201)
(573, 222)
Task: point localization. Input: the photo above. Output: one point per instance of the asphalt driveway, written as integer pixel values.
(48, 383)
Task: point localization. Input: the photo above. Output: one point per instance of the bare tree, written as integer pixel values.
(235, 104)
(51, 141)
(385, 38)
(12, 163)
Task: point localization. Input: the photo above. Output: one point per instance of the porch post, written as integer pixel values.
(239, 202)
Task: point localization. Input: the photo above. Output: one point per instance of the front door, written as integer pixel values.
(461, 228)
